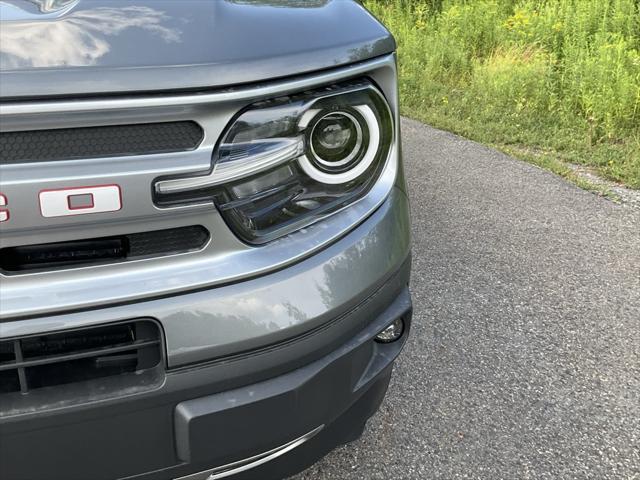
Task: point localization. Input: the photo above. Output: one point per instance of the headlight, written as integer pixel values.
(285, 163)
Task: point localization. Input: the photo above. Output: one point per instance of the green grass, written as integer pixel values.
(553, 82)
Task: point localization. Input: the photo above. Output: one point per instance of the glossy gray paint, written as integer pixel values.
(269, 309)
(224, 260)
(299, 315)
(229, 297)
(78, 47)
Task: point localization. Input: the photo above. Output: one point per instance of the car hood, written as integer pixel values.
(78, 47)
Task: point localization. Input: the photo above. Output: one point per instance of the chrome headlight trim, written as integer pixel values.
(266, 178)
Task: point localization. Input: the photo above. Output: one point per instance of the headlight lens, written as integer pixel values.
(336, 141)
(284, 163)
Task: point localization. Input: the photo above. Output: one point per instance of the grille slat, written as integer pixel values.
(22, 364)
(22, 378)
(99, 142)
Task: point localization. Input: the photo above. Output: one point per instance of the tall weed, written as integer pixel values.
(557, 75)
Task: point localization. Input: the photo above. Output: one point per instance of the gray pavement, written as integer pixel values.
(524, 361)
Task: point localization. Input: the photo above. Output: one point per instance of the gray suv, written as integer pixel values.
(205, 247)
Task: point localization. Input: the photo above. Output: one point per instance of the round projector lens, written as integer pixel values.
(336, 141)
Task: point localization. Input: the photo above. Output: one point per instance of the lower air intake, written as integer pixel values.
(58, 369)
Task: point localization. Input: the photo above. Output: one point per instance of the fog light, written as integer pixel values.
(392, 333)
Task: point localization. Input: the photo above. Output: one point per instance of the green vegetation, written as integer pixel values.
(549, 81)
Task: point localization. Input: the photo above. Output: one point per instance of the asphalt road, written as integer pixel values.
(524, 360)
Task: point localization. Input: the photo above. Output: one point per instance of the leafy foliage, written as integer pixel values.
(559, 78)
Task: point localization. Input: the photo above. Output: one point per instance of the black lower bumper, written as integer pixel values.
(192, 425)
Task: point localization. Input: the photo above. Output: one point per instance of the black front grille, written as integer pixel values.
(78, 365)
(95, 142)
(47, 256)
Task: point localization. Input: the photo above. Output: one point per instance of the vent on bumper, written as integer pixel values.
(79, 365)
(96, 142)
(77, 253)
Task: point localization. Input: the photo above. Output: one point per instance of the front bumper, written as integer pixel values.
(190, 426)
(318, 380)
(267, 310)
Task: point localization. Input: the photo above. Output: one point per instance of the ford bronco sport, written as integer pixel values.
(204, 235)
